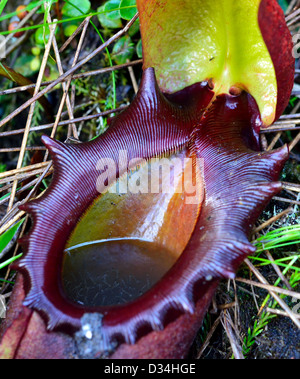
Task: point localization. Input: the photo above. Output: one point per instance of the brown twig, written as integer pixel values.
(295, 142)
(269, 287)
(16, 149)
(291, 6)
(274, 141)
(232, 335)
(71, 38)
(21, 24)
(23, 169)
(208, 337)
(22, 176)
(291, 186)
(60, 70)
(40, 179)
(64, 122)
(273, 294)
(24, 188)
(278, 271)
(279, 312)
(74, 77)
(280, 128)
(31, 110)
(133, 79)
(286, 200)
(11, 222)
(66, 85)
(293, 15)
(272, 220)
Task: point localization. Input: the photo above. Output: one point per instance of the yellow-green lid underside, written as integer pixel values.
(190, 41)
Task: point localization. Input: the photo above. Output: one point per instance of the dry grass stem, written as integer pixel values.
(133, 79)
(273, 294)
(15, 251)
(293, 15)
(227, 306)
(208, 337)
(69, 72)
(64, 86)
(24, 188)
(25, 175)
(17, 149)
(47, 171)
(291, 6)
(232, 334)
(31, 110)
(11, 222)
(65, 122)
(280, 128)
(269, 287)
(23, 169)
(272, 220)
(279, 312)
(278, 271)
(86, 74)
(74, 35)
(286, 200)
(295, 142)
(274, 141)
(291, 186)
(21, 24)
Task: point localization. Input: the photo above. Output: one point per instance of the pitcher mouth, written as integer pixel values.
(238, 182)
(114, 271)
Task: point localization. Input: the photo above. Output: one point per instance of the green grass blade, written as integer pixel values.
(29, 8)
(2, 5)
(66, 20)
(21, 80)
(6, 237)
(9, 261)
(109, 59)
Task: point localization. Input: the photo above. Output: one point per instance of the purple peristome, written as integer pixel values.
(239, 182)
